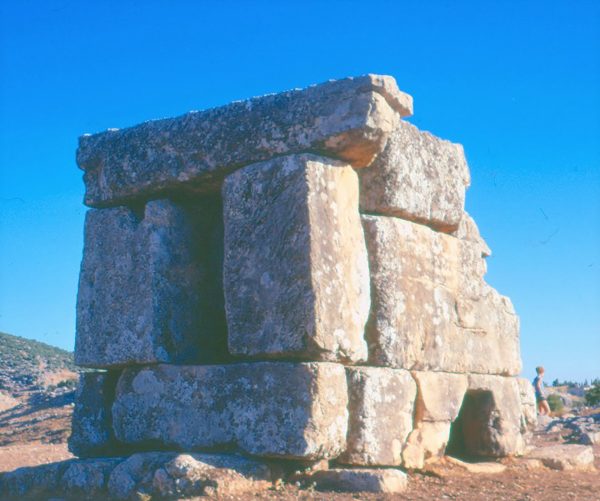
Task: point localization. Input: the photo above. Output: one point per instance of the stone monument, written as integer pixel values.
(290, 279)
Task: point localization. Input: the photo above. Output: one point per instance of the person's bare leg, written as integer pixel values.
(541, 408)
(544, 404)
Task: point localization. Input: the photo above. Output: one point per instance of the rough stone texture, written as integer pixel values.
(418, 177)
(275, 409)
(528, 406)
(73, 479)
(381, 415)
(296, 275)
(175, 476)
(501, 435)
(91, 429)
(148, 289)
(348, 119)
(156, 475)
(565, 457)
(431, 309)
(427, 441)
(386, 481)
(485, 468)
(439, 395)
(468, 230)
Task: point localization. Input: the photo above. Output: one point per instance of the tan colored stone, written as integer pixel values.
(468, 230)
(427, 441)
(500, 434)
(486, 468)
(277, 409)
(528, 405)
(431, 309)
(565, 457)
(349, 119)
(388, 481)
(418, 177)
(381, 415)
(439, 395)
(296, 275)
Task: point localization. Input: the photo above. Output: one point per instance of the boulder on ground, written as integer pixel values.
(274, 409)
(565, 457)
(349, 119)
(385, 481)
(431, 309)
(418, 177)
(148, 292)
(296, 275)
(381, 415)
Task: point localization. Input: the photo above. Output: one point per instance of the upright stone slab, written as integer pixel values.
(348, 119)
(148, 291)
(295, 273)
(91, 430)
(439, 395)
(418, 177)
(431, 309)
(381, 415)
(276, 409)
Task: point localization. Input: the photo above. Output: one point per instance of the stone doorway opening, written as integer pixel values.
(471, 434)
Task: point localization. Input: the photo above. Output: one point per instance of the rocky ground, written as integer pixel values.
(35, 431)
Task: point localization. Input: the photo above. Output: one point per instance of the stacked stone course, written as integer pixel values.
(291, 277)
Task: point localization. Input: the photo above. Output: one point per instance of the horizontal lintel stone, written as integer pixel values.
(349, 119)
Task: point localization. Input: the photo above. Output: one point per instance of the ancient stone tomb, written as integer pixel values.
(293, 276)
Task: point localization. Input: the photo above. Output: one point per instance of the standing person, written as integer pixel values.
(540, 395)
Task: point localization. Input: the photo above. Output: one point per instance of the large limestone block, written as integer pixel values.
(468, 230)
(295, 274)
(348, 119)
(277, 409)
(381, 415)
(431, 309)
(91, 430)
(439, 395)
(148, 289)
(528, 405)
(499, 399)
(418, 177)
(565, 457)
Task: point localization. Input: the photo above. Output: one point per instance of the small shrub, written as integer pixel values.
(555, 403)
(592, 396)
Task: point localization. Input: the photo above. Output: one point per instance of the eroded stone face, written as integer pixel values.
(431, 309)
(296, 276)
(439, 395)
(381, 415)
(418, 177)
(348, 119)
(386, 481)
(427, 441)
(148, 289)
(91, 430)
(274, 409)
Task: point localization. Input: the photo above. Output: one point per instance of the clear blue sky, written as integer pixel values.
(517, 83)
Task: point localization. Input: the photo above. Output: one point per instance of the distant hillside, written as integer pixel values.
(28, 365)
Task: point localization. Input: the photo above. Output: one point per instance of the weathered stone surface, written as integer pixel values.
(431, 309)
(418, 177)
(565, 457)
(427, 441)
(468, 230)
(176, 476)
(275, 409)
(528, 405)
(348, 119)
(439, 395)
(296, 276)
(91, 429)
(150, 475)
(361, 480)
(486, 468)
(492, 426)
(148, 289)
(381, 415)
(72, 479)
